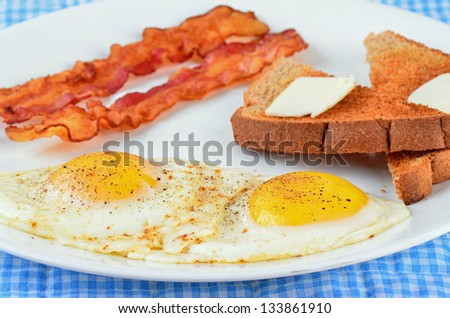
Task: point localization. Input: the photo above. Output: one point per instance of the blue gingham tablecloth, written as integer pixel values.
(422, 271)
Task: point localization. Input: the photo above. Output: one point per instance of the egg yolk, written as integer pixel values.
(105, 176)
(301, 198)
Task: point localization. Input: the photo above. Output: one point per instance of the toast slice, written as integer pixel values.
(398, 66)
(365, 121)
(414, 173)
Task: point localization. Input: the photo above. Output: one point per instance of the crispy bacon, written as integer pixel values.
(103, 77)
(223, 66)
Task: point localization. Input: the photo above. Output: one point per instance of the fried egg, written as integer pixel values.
(118, 203)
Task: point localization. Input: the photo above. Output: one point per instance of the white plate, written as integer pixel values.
(335, 32)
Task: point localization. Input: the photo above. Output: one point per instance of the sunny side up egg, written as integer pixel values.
(121, 204)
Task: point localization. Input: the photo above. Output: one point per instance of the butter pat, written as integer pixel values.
(434, 93)
(311, 96)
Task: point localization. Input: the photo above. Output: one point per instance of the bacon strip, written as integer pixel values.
(103, 77)
(223, 66)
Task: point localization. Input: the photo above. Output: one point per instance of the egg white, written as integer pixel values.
(240, 239)
(202, 215)
(185, 213)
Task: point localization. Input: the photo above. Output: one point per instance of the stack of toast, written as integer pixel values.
(373, 119)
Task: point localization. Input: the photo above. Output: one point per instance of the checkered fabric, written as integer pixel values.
(437, 9)
(422, 271)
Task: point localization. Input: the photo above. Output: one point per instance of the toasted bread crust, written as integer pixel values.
(414, 173)
(261, 132)
(411, 175)
(446, 128)
(328, 137)
(440, 165)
